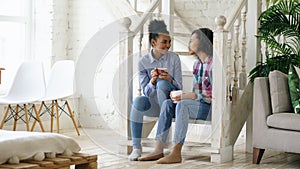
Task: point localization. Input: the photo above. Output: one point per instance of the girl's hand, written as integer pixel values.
(183, 96)
(154, 76)
(164, 75)
(176, 95)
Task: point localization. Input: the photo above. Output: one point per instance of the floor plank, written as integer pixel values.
(104, 143)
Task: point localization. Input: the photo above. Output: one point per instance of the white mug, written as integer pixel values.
(176, 93)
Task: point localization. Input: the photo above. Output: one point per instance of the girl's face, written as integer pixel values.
(162, 44)
(194, 44)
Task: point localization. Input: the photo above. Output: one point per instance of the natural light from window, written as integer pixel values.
(13, 22)
(25, 34)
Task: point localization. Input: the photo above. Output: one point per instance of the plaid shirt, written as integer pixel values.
(203, 79)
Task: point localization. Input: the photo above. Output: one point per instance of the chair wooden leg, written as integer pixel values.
(72, 117)
(33, 125)
(257, 155)
(52, 115)
(57, 116)
(4, 117)
(26, 117)
(37, 113)
(16, 117)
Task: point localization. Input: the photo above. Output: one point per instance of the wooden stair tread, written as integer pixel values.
(188, 145)
(191, 121)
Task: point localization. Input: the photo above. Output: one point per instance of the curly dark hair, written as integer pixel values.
(205, 37)
(155, 28)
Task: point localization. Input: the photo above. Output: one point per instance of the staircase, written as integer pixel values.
(232, 94)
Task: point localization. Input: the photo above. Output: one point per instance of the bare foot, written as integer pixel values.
(169, 159)
(151, 157)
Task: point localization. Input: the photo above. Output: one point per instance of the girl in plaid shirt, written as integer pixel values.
(193, 105)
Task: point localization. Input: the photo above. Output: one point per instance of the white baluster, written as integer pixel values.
(140, 43)
(259, 57)
(125, 77)
(235, 89)
(229, 47)
(243, 74)
(135, 5)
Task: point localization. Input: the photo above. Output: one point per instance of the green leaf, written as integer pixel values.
(280, 31)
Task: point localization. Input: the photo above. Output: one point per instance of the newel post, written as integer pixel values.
(220, 116)
(125, 79)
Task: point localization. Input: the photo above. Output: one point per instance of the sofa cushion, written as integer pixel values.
(288, 121)
(279, 92)
(294, 85)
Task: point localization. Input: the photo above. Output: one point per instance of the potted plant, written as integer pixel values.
(280, 31)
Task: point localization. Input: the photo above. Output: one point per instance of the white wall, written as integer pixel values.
(86, 18)
(202, 13)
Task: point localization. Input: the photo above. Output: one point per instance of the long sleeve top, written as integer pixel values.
(203, 79)
(147, 63)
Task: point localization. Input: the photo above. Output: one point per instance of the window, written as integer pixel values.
(15, 31)
(25, 34)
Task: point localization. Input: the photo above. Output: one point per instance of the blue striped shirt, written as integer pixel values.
(147, 63)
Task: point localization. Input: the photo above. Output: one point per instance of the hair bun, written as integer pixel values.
(157, 26)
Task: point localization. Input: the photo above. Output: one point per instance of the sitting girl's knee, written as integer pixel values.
(142, 103)
(167, 103)
(162, 84)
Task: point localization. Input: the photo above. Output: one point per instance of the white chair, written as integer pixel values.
(28, 86)
(58, 88)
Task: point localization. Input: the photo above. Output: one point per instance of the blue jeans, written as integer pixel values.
(147, 106)
(182, 111)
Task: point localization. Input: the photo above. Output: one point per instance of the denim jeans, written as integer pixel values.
(182, 111)
(147, 106)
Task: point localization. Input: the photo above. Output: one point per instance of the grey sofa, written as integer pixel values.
(275, 125)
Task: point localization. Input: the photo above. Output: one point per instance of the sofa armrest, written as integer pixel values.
(261, 107)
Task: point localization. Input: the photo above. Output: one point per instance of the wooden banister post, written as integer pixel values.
(220, 115)
(140, 43)
(125, 80)
(229, 68)
(243, 74)
(235, 88)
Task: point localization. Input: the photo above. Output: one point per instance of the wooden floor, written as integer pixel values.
(104, 143)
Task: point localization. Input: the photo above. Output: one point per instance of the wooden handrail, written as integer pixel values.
(186, 24)
(235, 14)
(146, 16)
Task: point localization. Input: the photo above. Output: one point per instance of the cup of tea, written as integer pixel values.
(160, 70)
(176, 93)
